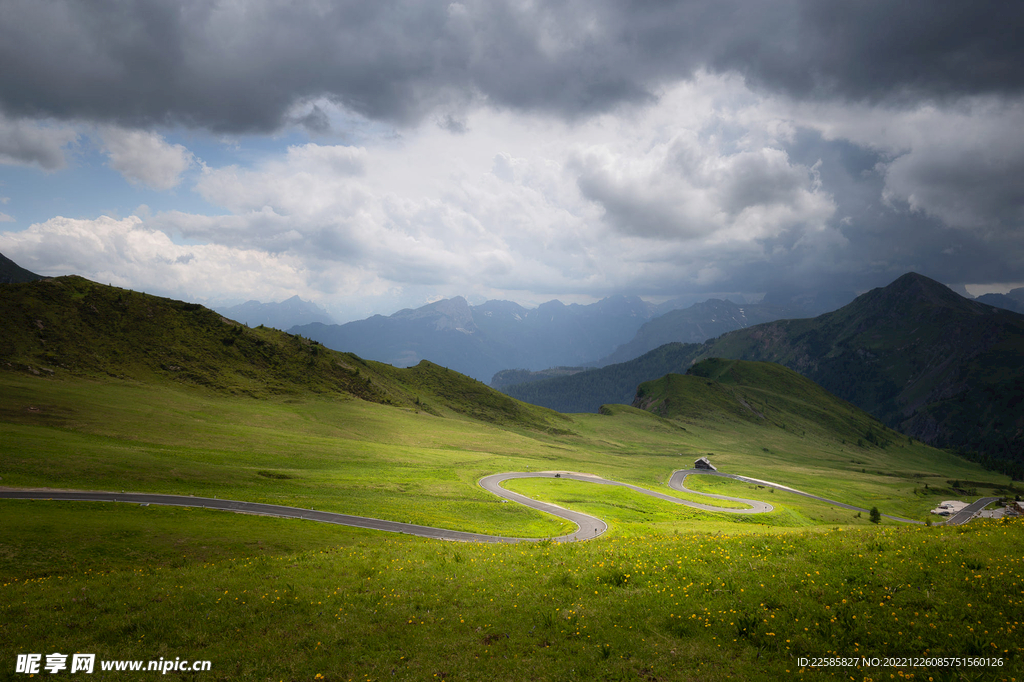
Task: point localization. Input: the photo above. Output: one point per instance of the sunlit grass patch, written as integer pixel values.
(711, 606)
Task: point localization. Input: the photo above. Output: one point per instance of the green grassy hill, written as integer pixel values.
(121, 390)
(922, 359)
(764, 394)
(112, 390)
(72, 327)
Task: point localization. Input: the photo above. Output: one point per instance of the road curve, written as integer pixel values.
(678, 477)
(587, 526)
(585, 522)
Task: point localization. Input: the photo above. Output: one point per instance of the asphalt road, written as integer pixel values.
(257, 508)
(585, 521)
(679, 477)
(968, 512)
(587, 526)
(678, 480)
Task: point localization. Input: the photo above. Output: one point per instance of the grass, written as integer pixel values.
(70, 327)
(343, 456)
(687, 606)
(102, 537)
(668, 593)
(355, 457)
(592, 497)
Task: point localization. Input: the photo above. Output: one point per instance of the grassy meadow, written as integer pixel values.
(269, 600)
(669, 593)
(200, 405)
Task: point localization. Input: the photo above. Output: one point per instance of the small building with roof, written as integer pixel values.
(703, 463)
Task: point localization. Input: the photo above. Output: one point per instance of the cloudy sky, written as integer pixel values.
(377, 155)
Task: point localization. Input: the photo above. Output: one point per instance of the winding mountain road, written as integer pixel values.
(587, 526)
(678, 477)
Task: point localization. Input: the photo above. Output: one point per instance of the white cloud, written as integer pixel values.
(520, 205)
(306, 180)
(128, 253)
(4, 218)
(684, 190)
(968, 177)
(145, 158)
(705, 188)
(34, 144)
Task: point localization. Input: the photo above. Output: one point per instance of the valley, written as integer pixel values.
(666, 591)
(511, 341)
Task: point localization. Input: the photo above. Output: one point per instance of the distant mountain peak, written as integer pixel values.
(447, 314)
(1004, 301)
(918, 282)
(481, 340)
(283, 315)
(912, 293)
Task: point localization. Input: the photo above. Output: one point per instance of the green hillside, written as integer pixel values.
(103, 389)
(922, 359)
(219, 408)
(72, 327)
(763, 394)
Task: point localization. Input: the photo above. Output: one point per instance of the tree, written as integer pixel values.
(876, 516)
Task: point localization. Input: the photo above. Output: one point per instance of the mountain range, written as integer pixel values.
(695, 324)
(481, 340)
(505, 342)
(1012, 300)
(283, 315)
(919, 357)
(938, 367)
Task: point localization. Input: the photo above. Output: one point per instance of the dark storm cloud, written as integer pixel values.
(878, 48)
(880, 240)
(242, 66)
